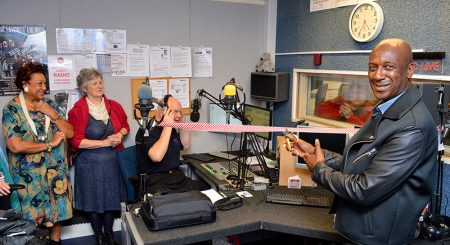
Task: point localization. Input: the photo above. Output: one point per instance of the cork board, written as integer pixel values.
(136, 84)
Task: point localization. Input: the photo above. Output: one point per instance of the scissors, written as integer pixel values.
(288, 139)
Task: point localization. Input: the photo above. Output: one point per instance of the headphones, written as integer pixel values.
(435, 227)
(166, 99)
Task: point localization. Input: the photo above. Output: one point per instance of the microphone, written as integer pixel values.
(229, 90)
(195, 115)
(145, 102)
(229, 101)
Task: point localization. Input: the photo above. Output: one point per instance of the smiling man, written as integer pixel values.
(386, 175)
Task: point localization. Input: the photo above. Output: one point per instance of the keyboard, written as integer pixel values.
(316, 197)
(221, 170)
(201, 157)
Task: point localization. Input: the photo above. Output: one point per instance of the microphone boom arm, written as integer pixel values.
(253, 142)
(204, 94)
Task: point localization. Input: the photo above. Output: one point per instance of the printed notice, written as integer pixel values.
(202, 62)
(61, 73)
(160, 61)
(181, 63)
(119, 64)
(138, 60)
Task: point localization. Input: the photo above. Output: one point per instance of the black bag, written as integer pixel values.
(176, 210)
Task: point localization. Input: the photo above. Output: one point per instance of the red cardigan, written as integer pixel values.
(330, 109)
(79, 118)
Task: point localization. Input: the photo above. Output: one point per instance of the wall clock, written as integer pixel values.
(366, 21)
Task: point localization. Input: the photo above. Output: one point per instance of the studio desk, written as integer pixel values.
(254, 215)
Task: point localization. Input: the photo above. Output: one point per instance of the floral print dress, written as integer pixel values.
(47, 197)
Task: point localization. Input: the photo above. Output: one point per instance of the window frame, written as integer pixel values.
(301, 87)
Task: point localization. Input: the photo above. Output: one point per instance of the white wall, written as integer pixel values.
(236, 32)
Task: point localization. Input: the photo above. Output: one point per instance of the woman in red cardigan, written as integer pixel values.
(99, 127)
(354, 105)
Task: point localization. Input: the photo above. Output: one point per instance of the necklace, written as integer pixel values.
(41, 138)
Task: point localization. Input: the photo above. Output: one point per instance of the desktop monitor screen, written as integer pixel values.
(259, 116)
(331, 141)
(218, 116)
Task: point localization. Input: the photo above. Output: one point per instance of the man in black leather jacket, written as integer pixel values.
(385, 177)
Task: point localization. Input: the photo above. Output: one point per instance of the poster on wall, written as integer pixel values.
(19, 44)
(82, 41)
(61, 72)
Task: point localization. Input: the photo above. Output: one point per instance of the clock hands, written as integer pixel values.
(362, 27)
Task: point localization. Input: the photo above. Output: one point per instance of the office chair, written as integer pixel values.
(127, 163)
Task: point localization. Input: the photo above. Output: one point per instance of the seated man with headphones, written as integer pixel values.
(163, 146)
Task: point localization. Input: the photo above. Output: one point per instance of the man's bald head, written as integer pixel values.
(403, 47)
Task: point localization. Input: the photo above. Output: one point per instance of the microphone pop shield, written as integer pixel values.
(145, 92)
(195, 116)
(229, 90)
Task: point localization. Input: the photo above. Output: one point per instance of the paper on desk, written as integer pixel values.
(254, 161)
(259, 179)
(213, 195)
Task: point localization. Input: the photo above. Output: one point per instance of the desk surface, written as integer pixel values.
(254, 215)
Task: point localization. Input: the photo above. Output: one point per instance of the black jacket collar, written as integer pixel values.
(397, 110)
(403, 104)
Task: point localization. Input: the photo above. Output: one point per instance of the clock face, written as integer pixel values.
(366, 22)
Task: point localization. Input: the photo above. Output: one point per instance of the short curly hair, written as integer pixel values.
(85, 76)
(24, 73)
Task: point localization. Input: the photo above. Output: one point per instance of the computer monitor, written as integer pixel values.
(218, 116)
(259, 116)
(330, 141)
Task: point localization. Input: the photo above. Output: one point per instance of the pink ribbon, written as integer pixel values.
(227, 128)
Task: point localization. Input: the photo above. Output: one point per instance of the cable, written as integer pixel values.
(446, 203)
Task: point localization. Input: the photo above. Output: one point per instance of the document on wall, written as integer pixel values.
(159, 88)
(138, 60)
(202, 62)
(179, 88)
(160, 61)
(316, 5)
(181, 62)
(104, 63)
(81, 61)
(110, 41)
(74, 40)
(61, 72)
(118, 64)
